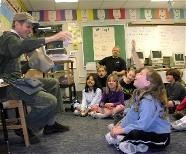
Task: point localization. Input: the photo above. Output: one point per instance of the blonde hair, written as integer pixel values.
(118, 86)
(101, 66)
(130, 69)
(156, 89)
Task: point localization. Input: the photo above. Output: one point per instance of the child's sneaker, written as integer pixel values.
(76, 112)
(110, 126)
(176, 122)
(97, 115)
(111, 140)
(130, 148)
(141, 148)
(180, 126)
(127, 147)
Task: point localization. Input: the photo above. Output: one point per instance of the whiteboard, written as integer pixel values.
(168, 39)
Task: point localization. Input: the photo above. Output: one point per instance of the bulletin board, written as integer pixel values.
(88, 46)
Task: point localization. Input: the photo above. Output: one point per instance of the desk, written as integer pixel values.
(3, 95)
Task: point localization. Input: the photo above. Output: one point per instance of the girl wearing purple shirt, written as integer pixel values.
(112, 101)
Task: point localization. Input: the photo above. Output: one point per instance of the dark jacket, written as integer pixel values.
(175, 91)
(11, 48)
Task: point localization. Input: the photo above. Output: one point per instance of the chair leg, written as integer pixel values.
(74, 88)
(23, 124)
(70, 92)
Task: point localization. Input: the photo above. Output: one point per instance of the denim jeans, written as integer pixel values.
(43, 103)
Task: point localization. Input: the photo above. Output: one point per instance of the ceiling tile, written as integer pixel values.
(112, 5)
(90, 1)
(136, 4)
(94, 5)
(65, 6)
(181, 4)
(156, 5)
(36, 5)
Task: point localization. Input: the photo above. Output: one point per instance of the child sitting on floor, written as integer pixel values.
(145, 124)
(127, 83)
(112, 101)
(102, 76)
(175, 90)
(90, 96)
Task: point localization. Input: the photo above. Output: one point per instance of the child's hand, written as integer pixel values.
(113, 133)
(116, 131)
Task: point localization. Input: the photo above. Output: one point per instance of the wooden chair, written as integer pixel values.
(12, 123)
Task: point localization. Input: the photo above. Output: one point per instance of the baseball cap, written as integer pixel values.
(24, 16)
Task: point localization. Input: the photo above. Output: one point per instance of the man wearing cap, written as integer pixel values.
(44, 101)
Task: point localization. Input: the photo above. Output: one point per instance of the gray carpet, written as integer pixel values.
(86, 135)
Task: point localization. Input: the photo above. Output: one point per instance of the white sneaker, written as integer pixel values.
(76, 105)
(111, 140)
(130, 148)
(127, 147)
(180, 126)
(97, 115)
(110, 126)
(76, 112)
(176, 122)
(142, 148)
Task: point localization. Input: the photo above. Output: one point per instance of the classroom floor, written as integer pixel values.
(86, 135)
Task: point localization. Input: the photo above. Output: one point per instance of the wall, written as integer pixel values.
(80, 71)
(141, 18)
(92, 20)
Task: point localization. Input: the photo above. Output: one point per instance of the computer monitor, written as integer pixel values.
(141, 56)
(156, 57)
(179, 59)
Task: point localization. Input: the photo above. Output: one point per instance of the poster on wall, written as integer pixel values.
(75, 30)
(103, 42)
